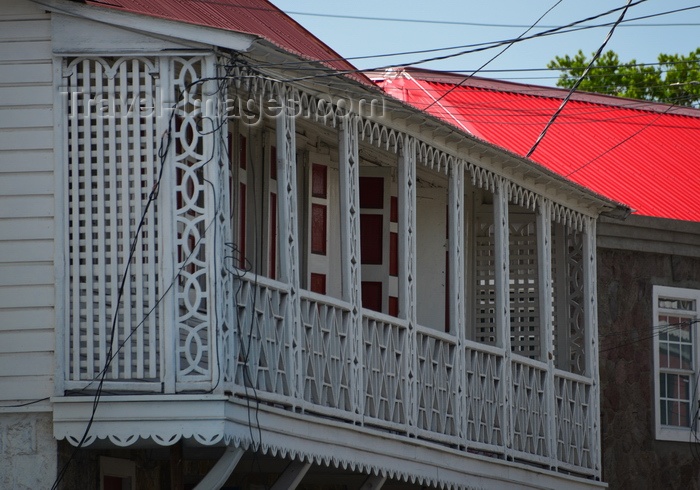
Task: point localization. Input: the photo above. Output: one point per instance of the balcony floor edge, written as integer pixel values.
(217, 420)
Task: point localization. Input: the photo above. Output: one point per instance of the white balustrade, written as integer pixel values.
(437, 384)
(529, 409)
(574, 421)
(260, 340)
(484, 411)
(325, 352)
(385, 381)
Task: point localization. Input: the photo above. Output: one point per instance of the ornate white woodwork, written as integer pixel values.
(484, 277)
(483, 413)
(289, 229)
(112, 169)
(524, 285)
(262, 340)
(568, 274)
(575, 422)
(385, 379)
(310, 358)
(196, 167)
(590, 314)
(326, 352)
(408, 265)
(546, 313)
(529, 409)
(349, 168)
(437, 385)
(502, 303)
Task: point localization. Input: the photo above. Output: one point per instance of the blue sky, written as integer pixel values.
(354, 37)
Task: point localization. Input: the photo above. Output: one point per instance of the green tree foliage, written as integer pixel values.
(675, 80)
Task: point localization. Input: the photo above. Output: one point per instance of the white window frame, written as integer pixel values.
(667, 432)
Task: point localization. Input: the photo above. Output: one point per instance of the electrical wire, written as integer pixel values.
(578, 82)
(588, 112)
(493, 57)
(426, 21)
(656, 331)
(620, 143)
(477, 47)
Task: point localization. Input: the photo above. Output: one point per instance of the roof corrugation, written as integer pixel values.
(256, 17)
(645, 156)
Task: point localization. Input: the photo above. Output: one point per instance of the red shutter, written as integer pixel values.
(372, 295)
(372, 192)
(318, 283)
(273, 236)
(371, 242)
(241, 225)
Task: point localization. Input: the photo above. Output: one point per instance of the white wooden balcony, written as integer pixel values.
(484, 364)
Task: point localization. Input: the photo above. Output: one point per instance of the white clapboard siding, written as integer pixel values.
(27, 228)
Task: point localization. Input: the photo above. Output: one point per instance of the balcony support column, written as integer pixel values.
(590, 318)
(167, 208)
(374, 482)
(292, 476)
(502, 264)
(221, 321)
(289, 233)
(456, 285)
(220, 473)
(544, 258)
(407, 267)
(349, 166)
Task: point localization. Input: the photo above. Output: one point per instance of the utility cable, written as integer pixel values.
(612, 148)
(478, 47)
(578, 82)
(655, 333)
(493, 57)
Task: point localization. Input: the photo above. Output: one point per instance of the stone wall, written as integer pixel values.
(632, 457)
(27, 451)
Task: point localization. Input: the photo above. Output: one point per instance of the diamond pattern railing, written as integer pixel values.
(437, 381)
(385, 380)
(325, 352)
(458, 394)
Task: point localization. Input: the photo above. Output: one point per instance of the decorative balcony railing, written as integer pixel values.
(455, 395)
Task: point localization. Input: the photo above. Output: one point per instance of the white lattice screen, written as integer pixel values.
(485, 280)
(524, 288)
(524, 285)
(111, 135)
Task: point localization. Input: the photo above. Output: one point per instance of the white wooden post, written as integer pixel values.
(456, 287)
(349, 168)
(544, 259)
(167, 207)
(590, 314)
(407, 270)
(61, 275)
(502, 265)
(215, 202)
(289, 233)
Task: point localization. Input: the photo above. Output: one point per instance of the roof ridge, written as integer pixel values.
(432, 76)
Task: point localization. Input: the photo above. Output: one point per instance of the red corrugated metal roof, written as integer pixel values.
(256, 17)
(644, 155)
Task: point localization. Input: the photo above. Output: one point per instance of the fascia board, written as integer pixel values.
(160, 27)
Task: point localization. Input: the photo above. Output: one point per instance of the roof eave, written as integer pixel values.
(222, 38)
(508, 159)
